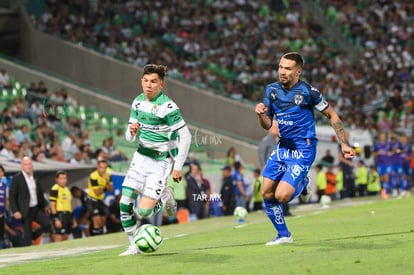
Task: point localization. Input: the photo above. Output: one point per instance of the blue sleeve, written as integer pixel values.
(317, 99)
(267, 101)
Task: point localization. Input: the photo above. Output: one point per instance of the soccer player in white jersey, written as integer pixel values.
(292, 102)
(163, 144)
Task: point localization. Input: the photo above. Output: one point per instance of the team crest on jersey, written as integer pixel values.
(298, 99)
(154, 109)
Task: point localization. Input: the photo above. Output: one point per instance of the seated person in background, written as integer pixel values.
(80, 213)
(113, 220)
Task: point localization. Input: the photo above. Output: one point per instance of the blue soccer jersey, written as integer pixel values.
(293, 109)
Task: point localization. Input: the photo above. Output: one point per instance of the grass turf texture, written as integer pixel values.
(364, 236)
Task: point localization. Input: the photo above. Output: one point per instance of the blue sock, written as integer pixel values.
(274, 211)
(386, 186)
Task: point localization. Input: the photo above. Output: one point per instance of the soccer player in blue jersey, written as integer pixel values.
(383, 163)
(291, 101)
(405, 166)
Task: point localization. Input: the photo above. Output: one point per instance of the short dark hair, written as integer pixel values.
(161, 70)
(60, 172)
(257, 171)
(102, 161)
(295, 56)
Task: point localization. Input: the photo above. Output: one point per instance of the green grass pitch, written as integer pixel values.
(364, 236)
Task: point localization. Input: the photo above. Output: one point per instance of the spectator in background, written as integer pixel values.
(257, 191)
(23, 134)
(28, 203)
(69, 146)
(7, 150)
(227, 192)
(13, 229)
(374, 184)
(110, 151)
(320, 181)
(233, 157)
(347, 167)
(4, 79)
(207, 186)
(339, 180)
(331, 183)
(180, 193)
(196, 193)
(361, 178)
(81, 213)
(78, 158)
(61, 208)
(239, 186)
(98, 183)
(113, 220)
(4, 194)
(327, 160)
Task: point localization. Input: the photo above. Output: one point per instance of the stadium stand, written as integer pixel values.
(242, 60)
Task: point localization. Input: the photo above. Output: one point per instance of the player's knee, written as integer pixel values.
(282, 197)
(145, 212)
(267, 194)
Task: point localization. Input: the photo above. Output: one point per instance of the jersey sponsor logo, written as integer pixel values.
(137, 108)
(298, 99)
(154, 109)
(285, 122)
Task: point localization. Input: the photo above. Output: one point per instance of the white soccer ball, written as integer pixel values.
(325, 200)
(240, 212)
(148, 238)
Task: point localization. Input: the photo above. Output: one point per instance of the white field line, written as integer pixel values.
(15, 258)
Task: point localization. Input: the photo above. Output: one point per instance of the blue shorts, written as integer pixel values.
(383, 169)
(290, 165)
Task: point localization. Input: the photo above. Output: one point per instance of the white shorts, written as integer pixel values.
(147, 175)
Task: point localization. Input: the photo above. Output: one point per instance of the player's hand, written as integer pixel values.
(133, 129)
(17, 215)
(177, 175)
(260, 109)
(347, 151)
(58, 223)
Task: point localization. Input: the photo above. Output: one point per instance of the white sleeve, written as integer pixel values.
(183, 147)
(128, 135)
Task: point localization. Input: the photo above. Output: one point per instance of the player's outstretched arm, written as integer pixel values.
(264, 121)
(339, 129)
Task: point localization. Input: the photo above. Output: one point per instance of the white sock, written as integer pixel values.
(131, 239)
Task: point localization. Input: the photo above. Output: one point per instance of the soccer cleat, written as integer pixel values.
(131, 250)
(170, 203)
(384, 194)
(281, 240)
(158, 207)
(306, 192)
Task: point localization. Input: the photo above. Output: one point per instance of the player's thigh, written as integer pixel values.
(136, 174)
(156, 180)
